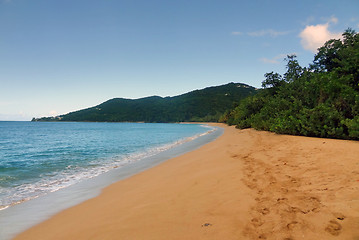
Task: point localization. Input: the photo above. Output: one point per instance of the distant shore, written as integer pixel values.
(246, 184)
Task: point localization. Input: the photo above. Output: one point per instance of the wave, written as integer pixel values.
(52, 182)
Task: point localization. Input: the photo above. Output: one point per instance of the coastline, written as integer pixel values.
(19, 217)
(245, 184)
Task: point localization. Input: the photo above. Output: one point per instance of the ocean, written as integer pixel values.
(37, 158)
(46, 167)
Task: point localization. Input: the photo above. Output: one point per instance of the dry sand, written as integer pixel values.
(244, 185)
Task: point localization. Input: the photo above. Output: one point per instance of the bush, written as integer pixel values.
(319, 101)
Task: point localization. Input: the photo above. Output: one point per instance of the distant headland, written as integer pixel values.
(205, 105)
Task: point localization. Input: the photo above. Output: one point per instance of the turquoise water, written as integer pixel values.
(37, 158)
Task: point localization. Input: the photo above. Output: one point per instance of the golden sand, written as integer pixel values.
(246, 184)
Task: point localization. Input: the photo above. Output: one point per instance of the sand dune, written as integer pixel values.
(245, 185)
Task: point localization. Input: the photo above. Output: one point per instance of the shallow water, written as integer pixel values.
(188, 137)
(41, 157)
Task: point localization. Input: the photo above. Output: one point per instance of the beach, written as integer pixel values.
(246, 184)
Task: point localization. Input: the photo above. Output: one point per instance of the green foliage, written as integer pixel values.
(353, 127)
(273, 80)
(321, 100)
(322, 121)
(207, 105)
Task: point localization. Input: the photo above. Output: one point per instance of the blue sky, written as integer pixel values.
(62, 56)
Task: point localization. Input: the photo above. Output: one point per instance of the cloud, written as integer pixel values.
(307, 21)
(333, 20)
(236, 33)
(269, 32)
(262, 33)
(314, 36)
(276, 59)
(267, 60)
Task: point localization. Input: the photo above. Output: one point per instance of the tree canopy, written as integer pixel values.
(321, 100)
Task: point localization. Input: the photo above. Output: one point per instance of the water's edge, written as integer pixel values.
(18, 218)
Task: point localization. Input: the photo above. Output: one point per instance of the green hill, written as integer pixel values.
(200, 105)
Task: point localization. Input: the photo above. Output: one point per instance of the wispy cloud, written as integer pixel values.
(268, 60)
(332, 19)
(262, 33)
(355, 21)
(276, 59)
(314, 36)
(236, 33)
(267, 32)
(307, 21)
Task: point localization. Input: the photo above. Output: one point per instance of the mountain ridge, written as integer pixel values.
(206, 104)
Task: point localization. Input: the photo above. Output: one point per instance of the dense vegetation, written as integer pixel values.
(321, 100)
(201, 105)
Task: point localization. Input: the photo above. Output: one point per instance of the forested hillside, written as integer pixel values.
(319, 100)
(201, 105)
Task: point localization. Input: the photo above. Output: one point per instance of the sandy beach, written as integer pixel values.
(246, 184)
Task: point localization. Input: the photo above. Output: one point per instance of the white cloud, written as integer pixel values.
(307, 21)
(271, 61)
(262, 33)
(333, 20)
(314, 36)
(269, 32)
(276, 59)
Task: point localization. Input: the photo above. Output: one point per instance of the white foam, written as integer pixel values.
(18, 218)
(73, 174)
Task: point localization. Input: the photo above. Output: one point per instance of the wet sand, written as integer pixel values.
(246, 184)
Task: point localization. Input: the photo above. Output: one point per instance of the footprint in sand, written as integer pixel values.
(264, 211)
(333, 228)
(292, 225)
(282, 199)
(257, 222)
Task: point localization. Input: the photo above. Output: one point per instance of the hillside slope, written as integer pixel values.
(199, 105)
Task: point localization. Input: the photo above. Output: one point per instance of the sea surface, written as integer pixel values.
(37, 158)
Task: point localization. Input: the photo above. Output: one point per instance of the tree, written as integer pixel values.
(273, 80)
(321, 101)
(294, 70)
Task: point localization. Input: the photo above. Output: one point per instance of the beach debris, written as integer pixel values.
(206, 224)
(339, 216)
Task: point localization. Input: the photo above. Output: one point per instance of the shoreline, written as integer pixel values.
(246, 184)
(22, 216)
